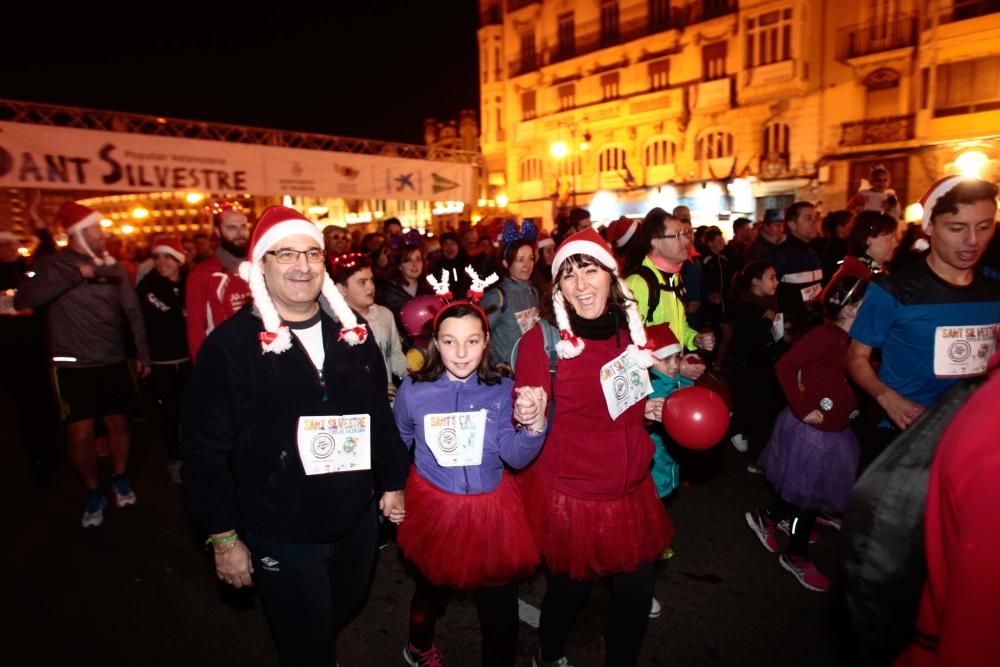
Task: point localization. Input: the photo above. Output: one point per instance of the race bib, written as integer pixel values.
(810, 293)
(526, 319)
(625, 383)
(778, 327)
(332, 443)
(456, 438)
(964, 350)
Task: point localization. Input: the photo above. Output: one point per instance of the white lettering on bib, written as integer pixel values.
(456, 438)
(963, 351)
(625, 383)
(332, 443)
(526, 319)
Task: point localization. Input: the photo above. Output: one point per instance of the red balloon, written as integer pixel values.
(696, 417)
(418, 312)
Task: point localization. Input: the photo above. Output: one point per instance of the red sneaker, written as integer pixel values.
(804, 570)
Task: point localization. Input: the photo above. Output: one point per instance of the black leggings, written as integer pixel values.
(168, 382)
(631, 597)
(800, 525)
(307, 608)
(498, 622)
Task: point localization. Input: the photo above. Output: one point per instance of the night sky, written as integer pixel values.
(370, 69)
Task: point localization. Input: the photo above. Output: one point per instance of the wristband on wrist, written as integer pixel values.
(221, 540)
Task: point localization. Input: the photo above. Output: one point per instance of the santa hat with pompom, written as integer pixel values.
(275, 224)
(937, 189)
(588, 242)
(74, 218)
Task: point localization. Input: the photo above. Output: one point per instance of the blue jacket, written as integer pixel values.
(666, 472)
(501, 306)
(503, 445)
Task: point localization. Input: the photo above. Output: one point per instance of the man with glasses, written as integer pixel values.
(658, 287)
(215, 290)
(287, 426)
(337, 241)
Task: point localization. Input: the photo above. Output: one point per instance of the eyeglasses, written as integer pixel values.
(675, 235)
(290, 256)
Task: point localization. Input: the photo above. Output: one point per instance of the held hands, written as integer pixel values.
(87, 270)
(530, 408)
(392, 506)
(814, 417)
(654, 408)
(705, 341)
(901, 411)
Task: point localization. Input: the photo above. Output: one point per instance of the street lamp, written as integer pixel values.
(971, 163)
(559, 150)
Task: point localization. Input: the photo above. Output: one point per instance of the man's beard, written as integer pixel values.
(232, 248)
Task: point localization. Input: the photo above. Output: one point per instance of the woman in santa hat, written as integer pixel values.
(590, 499)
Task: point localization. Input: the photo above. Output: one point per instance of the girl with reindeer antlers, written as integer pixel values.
(465, 525)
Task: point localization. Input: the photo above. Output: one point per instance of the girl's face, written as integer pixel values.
(587, 289)
(767, 285)
(523, 264)
(881, 248)
(359, 291)
(167, 266)
(462, 343)
(670, 366)
(548, 252)
(413, 266)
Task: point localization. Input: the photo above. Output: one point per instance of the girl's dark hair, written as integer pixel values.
(835, 219)
(345, 266)
(510, 252)
(616, 298)
(868, 225)
(395, 266)
(434, 368)
(743, 280)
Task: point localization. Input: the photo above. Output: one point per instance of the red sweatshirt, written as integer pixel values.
(813, 376)
(586, 453)
(960, 608)
(212, 296)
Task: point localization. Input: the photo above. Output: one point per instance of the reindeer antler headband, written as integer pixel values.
(442, 290)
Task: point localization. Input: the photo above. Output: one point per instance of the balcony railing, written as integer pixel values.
(709, 9)
(969, 9)
(877, 130)
(863, 40)
(513, 5)
(592, 36)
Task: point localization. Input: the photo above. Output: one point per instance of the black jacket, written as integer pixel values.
(162, 304)
(241, 409)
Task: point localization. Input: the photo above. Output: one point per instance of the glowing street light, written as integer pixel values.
(502, 200)
(138, 213)
(106, 223)
(194, 197)
(971, 163)
(127, 229)
(559, 150)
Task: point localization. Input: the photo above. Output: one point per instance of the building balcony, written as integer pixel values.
(863, 40)
(514, 5)
(632, 24)
(523, 65)
(891, 129)
(707, 10)
(969, 9)
(714, 94)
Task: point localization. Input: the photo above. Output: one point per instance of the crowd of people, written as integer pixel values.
(497, 393)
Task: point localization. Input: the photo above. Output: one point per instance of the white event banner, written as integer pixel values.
(43, 156)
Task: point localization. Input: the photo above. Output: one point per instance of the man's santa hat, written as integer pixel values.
(74, 218)
(544, 240)
(938, 189)
(275, 224)
(170, 245)
(589, 242)
(661, 341)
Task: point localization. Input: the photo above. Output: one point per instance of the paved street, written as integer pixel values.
(139, 590)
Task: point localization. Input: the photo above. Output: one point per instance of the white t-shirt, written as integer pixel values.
(311, 338)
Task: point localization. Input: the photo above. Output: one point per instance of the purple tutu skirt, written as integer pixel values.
(811, 468)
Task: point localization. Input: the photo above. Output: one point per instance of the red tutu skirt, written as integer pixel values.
(589, 539)
(467, 541)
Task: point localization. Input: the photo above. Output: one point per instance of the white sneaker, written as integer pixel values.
(754, 469)
(174, 468)
(93, 511)
(740, 442)
(655, 610)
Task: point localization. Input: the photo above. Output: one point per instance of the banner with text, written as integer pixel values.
(42, 156)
